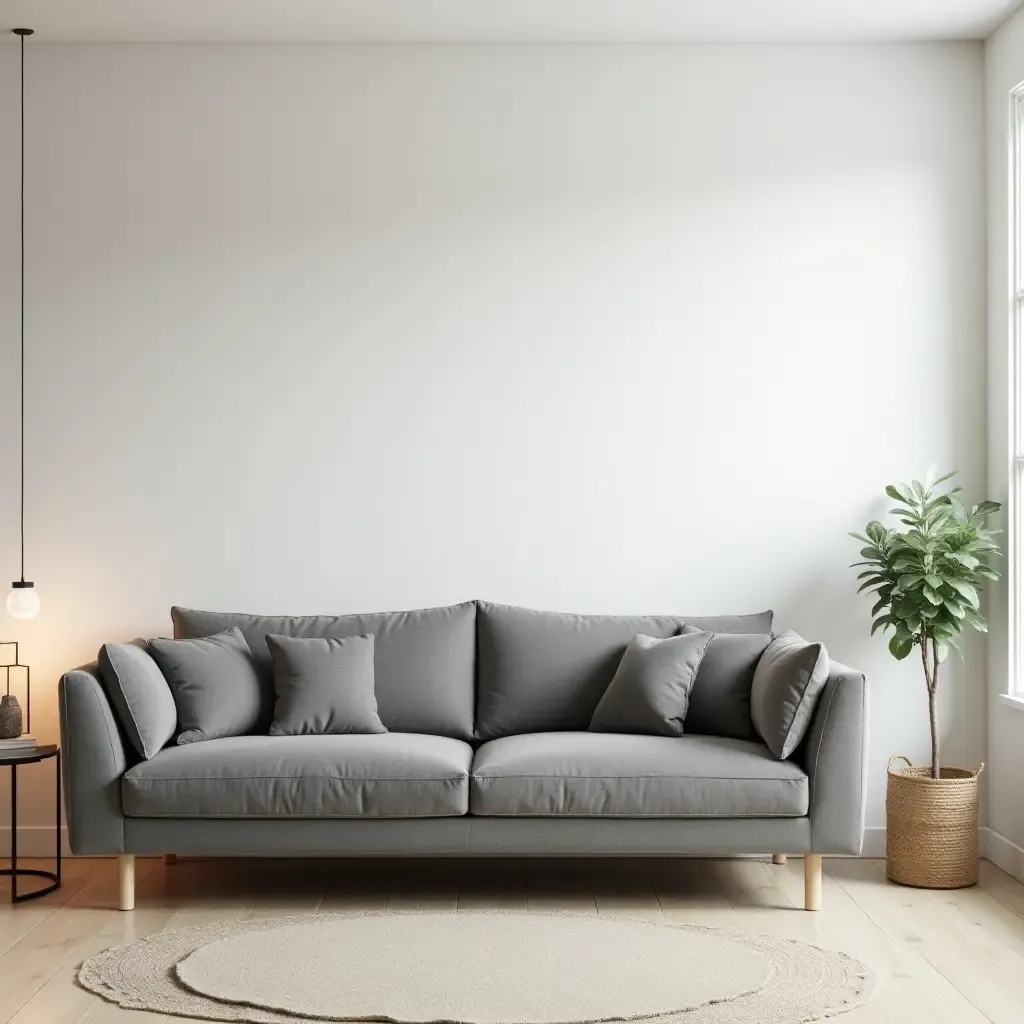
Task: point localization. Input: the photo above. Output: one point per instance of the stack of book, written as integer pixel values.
(19, 745)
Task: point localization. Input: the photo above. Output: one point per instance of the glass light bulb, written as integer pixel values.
(23, 603)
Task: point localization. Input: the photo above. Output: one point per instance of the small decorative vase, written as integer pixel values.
(10, 717)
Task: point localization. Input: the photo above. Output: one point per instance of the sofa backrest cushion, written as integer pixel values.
(720, 698)
(423, 660)
(547, 671)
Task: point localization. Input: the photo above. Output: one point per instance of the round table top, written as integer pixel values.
(40, 753)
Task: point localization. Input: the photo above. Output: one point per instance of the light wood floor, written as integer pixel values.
(940, 957)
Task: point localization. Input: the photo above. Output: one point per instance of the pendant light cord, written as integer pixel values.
(22, 308)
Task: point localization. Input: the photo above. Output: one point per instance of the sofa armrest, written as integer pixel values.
(93, 758)
(835, 757)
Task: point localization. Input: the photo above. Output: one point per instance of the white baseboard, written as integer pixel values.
(1003, 852)
(874, 842)
(33, 841)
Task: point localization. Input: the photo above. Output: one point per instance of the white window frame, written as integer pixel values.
(1015, 520)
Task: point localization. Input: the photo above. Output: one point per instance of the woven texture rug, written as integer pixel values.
(476, 968)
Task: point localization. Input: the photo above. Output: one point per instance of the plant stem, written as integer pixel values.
(931, 681)
(932, 712)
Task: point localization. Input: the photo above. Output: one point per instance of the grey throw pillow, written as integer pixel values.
(650, 691)
(720, 699)
(140, 695)
(215, 684)
(323, 685)
(788, 681)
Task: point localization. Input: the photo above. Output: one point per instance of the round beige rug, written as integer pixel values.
(476, 968)
(545, 970)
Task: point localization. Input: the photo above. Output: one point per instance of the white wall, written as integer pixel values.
(1004, 70)
(315, 328)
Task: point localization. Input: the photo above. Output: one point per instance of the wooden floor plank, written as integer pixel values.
(356, 886)
(427, 885)
(45, 963)
(988, 923)
(689, 893)
(1003, 887)
(285, 888)
(493, 885)
(908, 915)
(912, 986)
(559, 886)
(16, 921)
(623, 888)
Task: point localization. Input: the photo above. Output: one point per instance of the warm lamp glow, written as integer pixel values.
(23, 601)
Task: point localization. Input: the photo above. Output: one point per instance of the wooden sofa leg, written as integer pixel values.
(778, 858)
(126, 881)
(812, 881)
(170, 858)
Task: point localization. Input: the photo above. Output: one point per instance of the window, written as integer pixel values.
(1015, 538)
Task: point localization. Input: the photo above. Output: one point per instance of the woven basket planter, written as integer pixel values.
(931, 826)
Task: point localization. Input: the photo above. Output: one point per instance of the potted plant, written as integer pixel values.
(926, 579)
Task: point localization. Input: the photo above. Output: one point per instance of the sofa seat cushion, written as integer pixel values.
(382, 775)
(610, 775)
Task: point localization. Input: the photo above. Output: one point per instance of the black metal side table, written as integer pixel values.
(13, 761)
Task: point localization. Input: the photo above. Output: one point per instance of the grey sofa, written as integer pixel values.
(487, 753)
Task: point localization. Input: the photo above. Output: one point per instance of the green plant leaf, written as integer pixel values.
(976, 620)
(876, 532)
(987, 508)
(967, 561)
(955, 608)
(931, 596)
(899, 650)
(893, 491)
(908, 580)
(905, 563)
(966, 590)
(884, 620)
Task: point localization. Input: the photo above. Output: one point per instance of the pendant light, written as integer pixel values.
(23, 600)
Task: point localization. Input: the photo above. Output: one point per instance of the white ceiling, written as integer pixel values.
(505, 20)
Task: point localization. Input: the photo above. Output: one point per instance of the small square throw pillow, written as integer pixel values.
(720, 699)
(140, 695)
(215, 684)
(788, 681)
(650, 691)
(323, 685)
